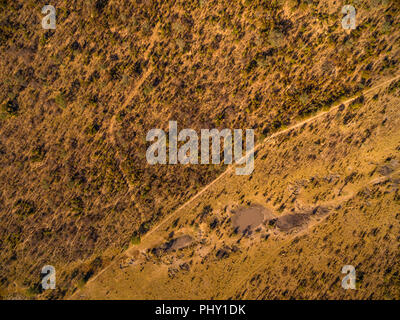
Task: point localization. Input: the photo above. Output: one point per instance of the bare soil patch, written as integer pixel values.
(249, 218)
(290, 221)
(179, 243)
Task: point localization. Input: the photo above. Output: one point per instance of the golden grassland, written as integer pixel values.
(339, 172)
(76, 104)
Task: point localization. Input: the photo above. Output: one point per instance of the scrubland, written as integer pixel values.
(77, 193)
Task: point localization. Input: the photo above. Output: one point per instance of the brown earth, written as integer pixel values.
(76, 104)
(341, 210)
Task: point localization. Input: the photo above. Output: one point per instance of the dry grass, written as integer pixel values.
(344, 209)
(77, 102)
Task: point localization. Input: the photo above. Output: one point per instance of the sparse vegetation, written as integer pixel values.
(77, 102)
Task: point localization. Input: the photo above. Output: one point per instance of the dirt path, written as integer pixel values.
(258, 268)
(231, 167)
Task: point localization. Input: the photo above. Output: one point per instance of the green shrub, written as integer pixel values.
(38, 154)
(135, 239)
(10, 108)
(61, 101)
(24, 208)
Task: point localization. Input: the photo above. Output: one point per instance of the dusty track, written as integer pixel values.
(231, 167)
